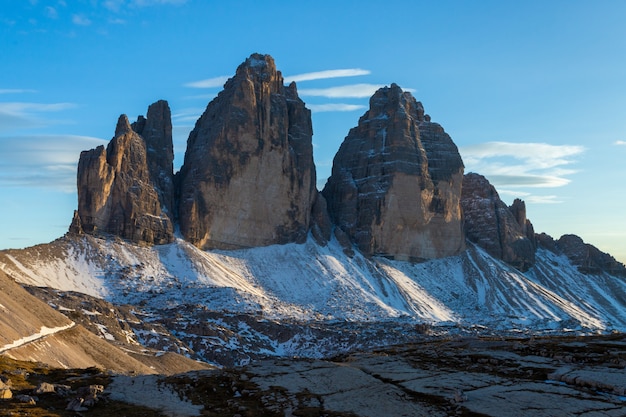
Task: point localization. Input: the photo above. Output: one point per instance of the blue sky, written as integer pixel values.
(533, 93)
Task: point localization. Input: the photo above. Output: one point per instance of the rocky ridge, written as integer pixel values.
(397, 187)
(503, 231)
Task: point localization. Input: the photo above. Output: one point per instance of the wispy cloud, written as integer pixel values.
(43, 161)
(344, 91)
(328, 107)
(15, 115)
(321, 75)
(508, 164)
(81, 20)
(620, 142)
(209, 82)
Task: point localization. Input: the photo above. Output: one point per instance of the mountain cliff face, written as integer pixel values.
(119, 189)
(248, 178)
(396, 181)
(503, 231)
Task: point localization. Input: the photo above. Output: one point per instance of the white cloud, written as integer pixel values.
(344, 91)
(44, 161)
(209, 82)
(328, 107)
(80, 20)
(321, 75)
(620, 142)
(508, 164)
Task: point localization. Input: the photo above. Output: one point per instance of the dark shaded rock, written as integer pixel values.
(117, 191)
(502, 231)
(588, 258)
(248, 177)
(344, 241)
(156, 131)
(76, 228)
(321, 226)
(396, 182)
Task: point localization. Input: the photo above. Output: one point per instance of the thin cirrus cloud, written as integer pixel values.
(343, 91)
(620, 142)
(332, 107)
(42, 161)
(15, 115)
(209, 82)
(308, 76)
(534, 165)
(322, 75)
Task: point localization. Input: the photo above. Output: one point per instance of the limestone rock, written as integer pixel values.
(248, 177)
(127, 189)
(395, 187)
(504, 232)
(588, 258)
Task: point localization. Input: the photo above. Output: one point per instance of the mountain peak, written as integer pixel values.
(123, 125)
(396, 182)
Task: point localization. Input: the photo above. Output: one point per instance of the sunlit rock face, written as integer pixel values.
(119, 192)
(395, 187)
(248, 177)
(503, 231)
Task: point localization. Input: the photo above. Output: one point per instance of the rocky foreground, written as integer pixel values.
(582, 376)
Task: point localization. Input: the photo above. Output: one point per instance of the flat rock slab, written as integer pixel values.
(546, 377)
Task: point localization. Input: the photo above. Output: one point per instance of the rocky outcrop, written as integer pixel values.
(119, 188)
(587, 258)
(248, 177)
(503, 231)
(396, 181)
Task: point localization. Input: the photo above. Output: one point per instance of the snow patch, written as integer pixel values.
(43, 332)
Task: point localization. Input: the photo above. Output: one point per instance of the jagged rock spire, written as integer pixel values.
(119, 193)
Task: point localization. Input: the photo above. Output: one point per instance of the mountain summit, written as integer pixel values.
(395, 187)
(248, 178)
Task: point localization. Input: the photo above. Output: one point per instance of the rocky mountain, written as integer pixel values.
(396, 181)
(399, 246)
(126, 189)
(503, 231)
(248, 178)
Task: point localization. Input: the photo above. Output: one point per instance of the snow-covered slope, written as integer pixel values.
(310, 282)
